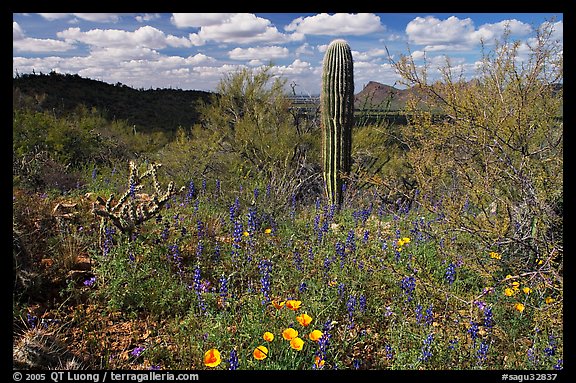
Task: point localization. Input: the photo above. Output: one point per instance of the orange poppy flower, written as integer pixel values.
(293, 304)
(319, 362)
(260, 352)
(297, 344)
(268, 336)
(289, 333)
(277, 304)
(315, 335)
(212, 358)
(304, 319)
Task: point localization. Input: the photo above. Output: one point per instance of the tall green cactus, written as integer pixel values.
(337, 117)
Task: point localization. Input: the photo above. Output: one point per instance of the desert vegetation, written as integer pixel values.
(215, 246)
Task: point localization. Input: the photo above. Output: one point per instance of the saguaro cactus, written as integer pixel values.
(337, 117)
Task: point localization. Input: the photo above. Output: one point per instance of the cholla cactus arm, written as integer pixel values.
(128, 213)
(337, 117)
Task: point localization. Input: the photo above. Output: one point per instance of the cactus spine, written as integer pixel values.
(337, 114)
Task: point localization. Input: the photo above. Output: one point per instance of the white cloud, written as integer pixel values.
(146, 37)
(337, 24)
(371, 54)
(196, 20)
(17, 33)
(21, 43)
(242, 28)
(431, 31)
(489, 32)
(147, 17)
(454, 34)
(264, 53)
(304, 50)
(96, 17)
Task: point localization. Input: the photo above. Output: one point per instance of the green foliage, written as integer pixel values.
(337, 114)
(493, 161)
(247, 138)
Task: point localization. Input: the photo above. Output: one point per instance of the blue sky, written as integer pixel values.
(196, 50)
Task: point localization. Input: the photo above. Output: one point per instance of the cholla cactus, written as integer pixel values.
(133, 209)
(337, 113)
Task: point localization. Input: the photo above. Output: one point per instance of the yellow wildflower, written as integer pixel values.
(549, 300)
(495, 255)
(519, 306)
(527, 290)
(508, 292)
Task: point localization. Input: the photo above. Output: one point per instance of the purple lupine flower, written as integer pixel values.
(351, 241)
(473, 331)
(108, 240)
(303, 287)
(200, 227)
(551, 349)
(137, 351)
(429, 315)
(366, 236)
(451, 273)
(268, 190)
(351, 307)
(298, 261)
(427, 348)
(216, 256)
(317, 227)
(482, 352)
(408, 285)
(418, 313)
(32, 320)
(388, 311)
(362, 303)
(233, 360)
(341, 252)
(197, 285)
(389, 351)
(90, 281)
(252, 220)
(559, 364)
(488, 318)
(223, 287)
(234, 210)
(265, 267)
